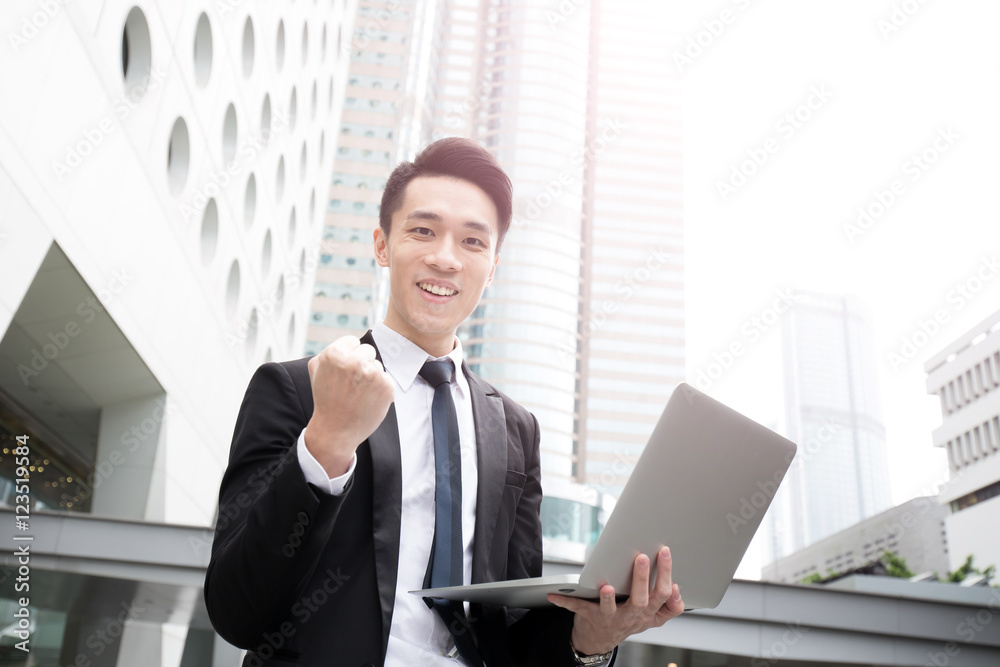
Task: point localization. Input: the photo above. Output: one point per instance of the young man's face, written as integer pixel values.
(441, 252)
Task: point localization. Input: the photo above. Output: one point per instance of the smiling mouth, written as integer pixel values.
(435, 289)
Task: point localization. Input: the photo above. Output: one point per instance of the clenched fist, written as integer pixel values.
(351, 396)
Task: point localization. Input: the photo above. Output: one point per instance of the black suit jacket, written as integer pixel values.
(300, 577)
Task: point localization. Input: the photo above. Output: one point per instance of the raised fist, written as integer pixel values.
(352, 393)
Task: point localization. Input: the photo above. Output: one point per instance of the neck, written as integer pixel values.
(436, 345)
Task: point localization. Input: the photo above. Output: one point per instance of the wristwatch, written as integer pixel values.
(591, 660)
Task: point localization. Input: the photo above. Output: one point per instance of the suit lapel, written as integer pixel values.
(387, 491)
(387, 499)
(491, 448)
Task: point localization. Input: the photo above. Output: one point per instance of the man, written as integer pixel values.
(336, 499)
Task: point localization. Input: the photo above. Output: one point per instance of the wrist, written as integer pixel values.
(591, 660)
(335, 459)
(583, 648)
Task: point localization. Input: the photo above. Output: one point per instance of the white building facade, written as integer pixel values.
(163, 180)
(913, 530)
(965, 376)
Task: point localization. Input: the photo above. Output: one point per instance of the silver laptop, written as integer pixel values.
(701, 486)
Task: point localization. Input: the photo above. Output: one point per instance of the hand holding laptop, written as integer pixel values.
(599, 627)
(702, 484)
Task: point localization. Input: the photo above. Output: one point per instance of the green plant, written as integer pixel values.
(967, 569)
(895, 566)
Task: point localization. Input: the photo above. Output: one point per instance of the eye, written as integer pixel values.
(422, 231)
(472, 240)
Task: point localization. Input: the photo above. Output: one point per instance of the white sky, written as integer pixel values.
(784, 227)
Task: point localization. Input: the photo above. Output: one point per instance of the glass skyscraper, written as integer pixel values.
(632, 335)
(386, 118)
(534, 120)
(840, 474)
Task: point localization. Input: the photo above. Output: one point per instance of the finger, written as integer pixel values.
(664, 576)
(575, 605)
(374, 367)
(640, 581)
(676, 602)
(608, 606)
(346, 344)
(364, 352)
(674, 606)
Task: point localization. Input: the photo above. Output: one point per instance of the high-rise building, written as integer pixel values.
(631, 337)
(840, 474)
(462, 82)
(163, 169)
(965, 376)
(386, 118)
(534, 120)
(584, 323)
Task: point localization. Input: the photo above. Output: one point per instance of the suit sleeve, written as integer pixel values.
(272, 526)
(539, 637)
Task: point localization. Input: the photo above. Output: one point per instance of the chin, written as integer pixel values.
(435, 329)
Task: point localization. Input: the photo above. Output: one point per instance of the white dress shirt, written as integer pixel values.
(417, 635)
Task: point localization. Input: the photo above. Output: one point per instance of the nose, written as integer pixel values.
(444, 255)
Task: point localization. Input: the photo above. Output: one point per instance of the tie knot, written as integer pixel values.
(437, 372)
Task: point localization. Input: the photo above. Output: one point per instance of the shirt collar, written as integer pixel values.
(403, 358)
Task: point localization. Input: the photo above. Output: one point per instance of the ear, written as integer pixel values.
(381, 247)
(493, 270)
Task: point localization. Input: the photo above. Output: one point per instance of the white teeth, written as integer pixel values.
(434, 289)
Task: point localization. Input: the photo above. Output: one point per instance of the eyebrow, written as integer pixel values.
(479, 226)
(423, 215)
(434, 217)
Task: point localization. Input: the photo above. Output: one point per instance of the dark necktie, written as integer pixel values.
(446, 564)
